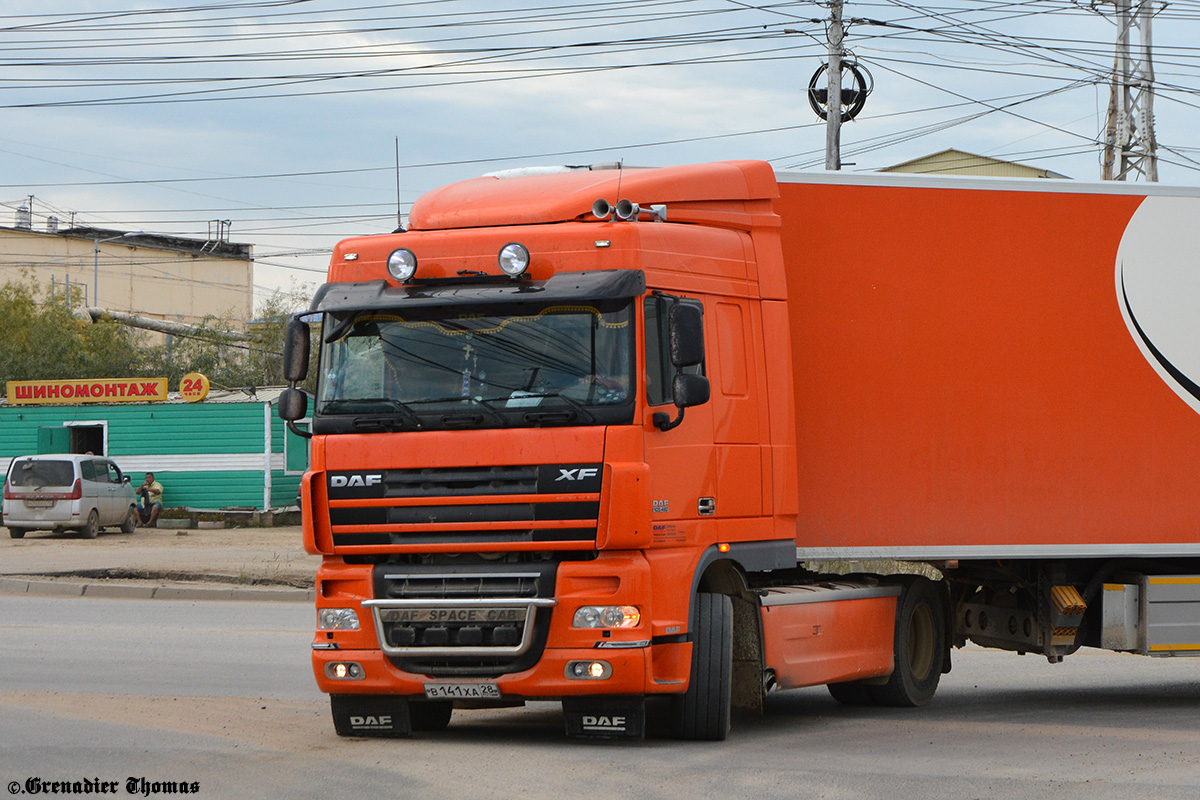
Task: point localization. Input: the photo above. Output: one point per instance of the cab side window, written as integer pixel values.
(659, 371)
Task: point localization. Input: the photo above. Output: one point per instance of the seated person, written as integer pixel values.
(150, 502)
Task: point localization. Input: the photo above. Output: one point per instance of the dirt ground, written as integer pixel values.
(272, 556)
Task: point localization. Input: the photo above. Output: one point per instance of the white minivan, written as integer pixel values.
(67, 492)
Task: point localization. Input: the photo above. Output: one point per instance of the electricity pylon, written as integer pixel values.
(1129, 144)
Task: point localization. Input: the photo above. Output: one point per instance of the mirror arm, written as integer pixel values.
(303, 434)
(662, 420)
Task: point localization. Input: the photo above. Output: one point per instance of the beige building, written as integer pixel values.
(957, 162)
(166, 277)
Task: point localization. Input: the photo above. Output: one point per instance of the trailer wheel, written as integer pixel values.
(851, 693)
(431, 715)
(920, 645)
(702, 712)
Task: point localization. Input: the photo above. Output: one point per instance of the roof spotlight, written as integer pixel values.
(402, 264)
(514, 259)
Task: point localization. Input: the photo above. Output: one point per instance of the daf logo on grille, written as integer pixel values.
(576, 474)
(339, 481)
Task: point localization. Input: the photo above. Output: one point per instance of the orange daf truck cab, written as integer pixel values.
(533, 475)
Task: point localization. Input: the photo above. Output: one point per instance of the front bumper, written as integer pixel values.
(632, 674)
(650, 659)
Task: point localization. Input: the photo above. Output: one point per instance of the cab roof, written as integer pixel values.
(530, 199)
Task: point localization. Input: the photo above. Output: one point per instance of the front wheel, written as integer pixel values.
(702, 712)
(129, 524)
(919, 648)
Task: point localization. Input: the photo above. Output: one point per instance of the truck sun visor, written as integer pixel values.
(586, 286)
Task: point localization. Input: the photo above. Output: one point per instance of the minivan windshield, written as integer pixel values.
(428, 368)
(36, 473)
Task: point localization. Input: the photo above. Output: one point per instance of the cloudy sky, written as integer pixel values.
(284, 117)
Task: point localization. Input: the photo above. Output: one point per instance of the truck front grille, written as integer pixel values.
(446, 621)
(483, 506)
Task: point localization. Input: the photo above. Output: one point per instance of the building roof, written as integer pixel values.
(960, 162)
(177, 244)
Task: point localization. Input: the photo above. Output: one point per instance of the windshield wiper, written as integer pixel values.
(461, 418)
(370, 419)
(542, 416)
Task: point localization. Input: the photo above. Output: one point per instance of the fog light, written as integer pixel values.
(337, 619)
(344, 671)
(402, 264)
(589, 670)
(607, 617)
(514, 259)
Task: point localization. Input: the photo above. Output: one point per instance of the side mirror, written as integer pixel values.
(685, 332)
(296, 343)
(689, 390)
(125, 479)
(293, 405)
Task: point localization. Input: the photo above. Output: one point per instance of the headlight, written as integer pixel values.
(402, 264)
(514, 259)
(607, 617)
(337, 619)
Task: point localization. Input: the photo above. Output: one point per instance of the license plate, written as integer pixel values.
(39, 504)
(462, 691)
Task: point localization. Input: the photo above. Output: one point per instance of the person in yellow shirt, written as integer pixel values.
(150, 506)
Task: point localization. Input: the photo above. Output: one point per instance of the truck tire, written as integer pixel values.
(702, 712)
(919, 647)
(430, 715)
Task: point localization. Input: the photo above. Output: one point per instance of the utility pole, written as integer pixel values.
(1129, 144)
(833, 117)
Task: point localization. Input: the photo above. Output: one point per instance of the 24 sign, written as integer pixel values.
(193, 387)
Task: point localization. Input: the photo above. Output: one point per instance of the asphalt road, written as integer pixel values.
(220, 694)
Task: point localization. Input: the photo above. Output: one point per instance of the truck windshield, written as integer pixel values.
(477, 367)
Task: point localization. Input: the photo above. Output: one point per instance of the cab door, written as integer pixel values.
(683, 460)
(713, 466)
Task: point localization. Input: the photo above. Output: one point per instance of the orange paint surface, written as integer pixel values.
(963, 375)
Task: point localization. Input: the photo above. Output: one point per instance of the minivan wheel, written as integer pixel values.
(129, 525)
(92, 528)
(17, 533)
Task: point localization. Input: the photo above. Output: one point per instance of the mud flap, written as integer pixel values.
(370, 715)
(605, 717)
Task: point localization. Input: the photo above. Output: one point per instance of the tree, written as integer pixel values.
(51, 339)
(257, 361)
(43, 339)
